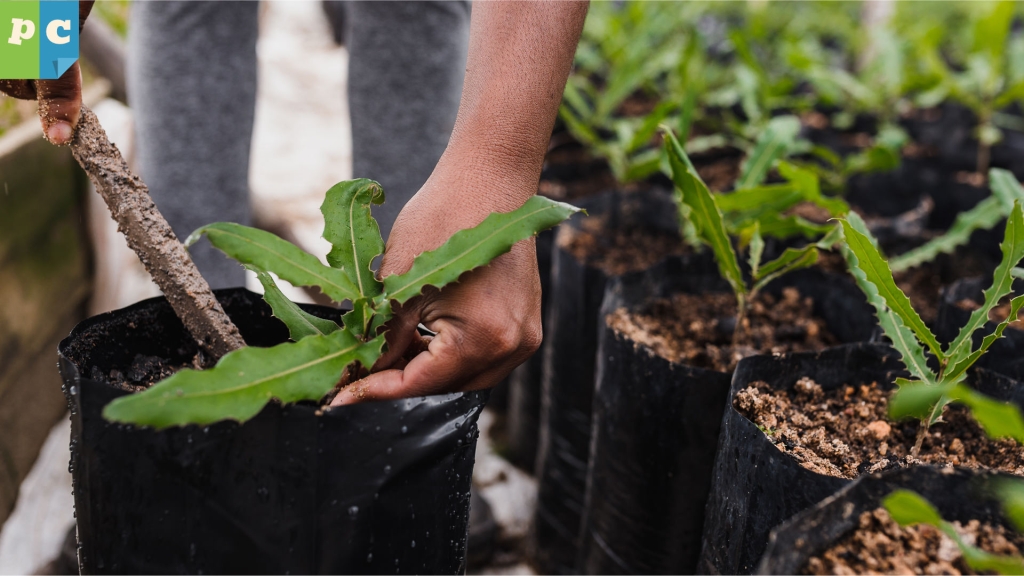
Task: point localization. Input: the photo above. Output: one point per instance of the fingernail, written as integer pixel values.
(59, 133)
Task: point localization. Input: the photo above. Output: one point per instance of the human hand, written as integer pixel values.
(487, 324)
(60, 100)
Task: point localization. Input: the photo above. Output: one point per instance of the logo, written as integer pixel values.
(38, 39)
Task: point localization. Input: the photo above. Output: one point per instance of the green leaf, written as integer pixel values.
(893, 308)
(300, 324)
(266, 252)
(908, 508)
(807, 184)
(353, 233)
(244, 381)
(1011, 493)
(792, 259)
(1005, 187)
(985, 215)
(475, 247)
(961, 366)
(772, 144)
(704, 213)
(998, 419)
(992, 29)
(756, 250)
(768, 197)
(1002, 284)
(917, 400)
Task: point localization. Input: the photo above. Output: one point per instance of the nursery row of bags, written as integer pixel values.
(712, 368)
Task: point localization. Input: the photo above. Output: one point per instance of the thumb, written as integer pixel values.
(60, 105)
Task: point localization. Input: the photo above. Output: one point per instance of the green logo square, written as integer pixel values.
(19, 57)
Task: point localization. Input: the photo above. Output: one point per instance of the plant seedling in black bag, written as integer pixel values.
(908, 508)
(754, 210)
(924, 395)
(321, 351)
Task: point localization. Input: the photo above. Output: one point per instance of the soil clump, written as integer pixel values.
(846, 432)
(620, 252)
(880, 546)
(697, 330)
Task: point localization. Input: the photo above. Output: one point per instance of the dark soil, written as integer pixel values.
(697, 330)
(621, 253)
(997, 314)
(143, 373)
(720, 174)
(846, 432)
(880, 546)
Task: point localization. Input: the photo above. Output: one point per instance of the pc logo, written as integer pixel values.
(38, 39)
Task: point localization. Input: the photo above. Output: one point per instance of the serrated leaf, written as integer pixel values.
(475, 247)
(1005, 187)
(771, 145)
(907, 508)
(704, 213)
(300, 323)
(892, 307)
(961, 367)
(264, 251)
(756, 250)
(1002, 284)
(244, 381)
(985, 215)
(353, 233)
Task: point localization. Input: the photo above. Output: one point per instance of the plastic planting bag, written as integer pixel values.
(380, 487)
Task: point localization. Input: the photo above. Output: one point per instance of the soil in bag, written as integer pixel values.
(959, 300)
(852, 533)
(663, 372)
(624, 232)
(380, 487)
(948, 131)
(817, 421)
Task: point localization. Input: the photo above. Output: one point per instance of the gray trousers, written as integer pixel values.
(192, 85)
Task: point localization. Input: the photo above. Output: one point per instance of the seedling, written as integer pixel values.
(705, 215)
(924, 395)
(321, 351)
(908, 508)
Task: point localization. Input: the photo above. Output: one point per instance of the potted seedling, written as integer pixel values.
(181, 464)
(916, 520)
(669, 338)
(822, 420)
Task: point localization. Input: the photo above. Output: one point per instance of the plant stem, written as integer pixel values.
(741, 316)
(984, 153)
(922, 431)
(152, 239)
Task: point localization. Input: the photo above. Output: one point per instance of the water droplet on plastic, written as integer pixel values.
(334, 502)
(353, 510)
(389, 450)
(413, 543)
(369, 557)
(74, 390)
(387, 469)
(405, 429)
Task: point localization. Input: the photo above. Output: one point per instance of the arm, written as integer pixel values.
(519, 58)
(60, 100)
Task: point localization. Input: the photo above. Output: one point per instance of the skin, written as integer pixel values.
(520, 55)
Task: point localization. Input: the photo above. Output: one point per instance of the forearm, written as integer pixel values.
(520, 55)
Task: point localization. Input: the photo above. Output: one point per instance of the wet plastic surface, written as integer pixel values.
(960, 495)
(754, 486)
(656, 423)
(570, 349)
(379, 487)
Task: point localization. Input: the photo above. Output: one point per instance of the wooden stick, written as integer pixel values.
(150, 236)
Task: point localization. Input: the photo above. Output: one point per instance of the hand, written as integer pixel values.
(487, 324)
(60, 100)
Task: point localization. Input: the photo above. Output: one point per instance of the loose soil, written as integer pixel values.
(997, 314)
(696, 330)
(880, 546)
(620, 253)
(846, 432)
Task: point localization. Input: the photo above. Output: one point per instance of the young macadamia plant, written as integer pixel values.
(321, 351)
(752, 210)
(927, 391)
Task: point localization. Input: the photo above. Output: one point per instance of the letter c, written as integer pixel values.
(53, 36)
(21, 30)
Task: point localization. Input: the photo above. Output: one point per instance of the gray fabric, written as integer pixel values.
(192, 84)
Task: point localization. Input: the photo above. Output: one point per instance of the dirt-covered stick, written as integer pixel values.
(152, 239)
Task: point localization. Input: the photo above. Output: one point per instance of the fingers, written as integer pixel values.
(60, 105)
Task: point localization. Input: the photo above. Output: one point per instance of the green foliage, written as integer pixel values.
(908, 508)
(312, 364)
(778, 137)
(928, 392)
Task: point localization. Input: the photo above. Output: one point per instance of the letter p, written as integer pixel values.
(21, 30)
